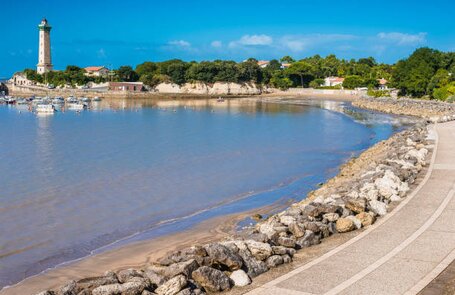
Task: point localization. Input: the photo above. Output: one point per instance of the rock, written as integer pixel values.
(365, 218)
(279, 250)
(155, 279)
(268, 230)
(344, 225)
(309, 239)
(211, 279)
(126, 274)
(313, 226)
(196, 252)
(253, 267)
(70, 288)
(395, 198)
(288, 242)
(356, 205)
(357, 222)
(286, 258)
(91, 283)
(260, 251)
(286, 220)
(222, 255)
(146, 292)
(173, 286)
(297, 229)
(240, 278)
(45, 293)
(129, 288)
(184, 268)
(378, 207)
(274, 261)
(331, 217)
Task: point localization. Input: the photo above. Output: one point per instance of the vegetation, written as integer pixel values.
(427, 72)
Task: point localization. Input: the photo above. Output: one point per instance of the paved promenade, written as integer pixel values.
(402, 252)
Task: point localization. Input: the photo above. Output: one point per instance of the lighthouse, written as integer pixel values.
(44, 53)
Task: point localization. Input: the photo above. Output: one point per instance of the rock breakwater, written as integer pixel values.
(363, 191)
(431, 110)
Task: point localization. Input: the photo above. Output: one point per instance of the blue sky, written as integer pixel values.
(115, 33)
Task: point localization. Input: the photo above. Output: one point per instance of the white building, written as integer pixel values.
(333, 81)
(44, 52)
(96, 71)
(20, 79)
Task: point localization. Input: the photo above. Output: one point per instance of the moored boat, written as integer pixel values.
(45, 109)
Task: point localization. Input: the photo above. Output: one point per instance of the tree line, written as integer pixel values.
(426, 72)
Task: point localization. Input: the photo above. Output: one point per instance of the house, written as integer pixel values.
(126, 86)
(383, 84)
(285, 65)
(20, 79)
(96, 71)
(333, 81)
(263, 63)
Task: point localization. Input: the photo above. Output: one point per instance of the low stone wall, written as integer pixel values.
(431, 110)
(362, 192)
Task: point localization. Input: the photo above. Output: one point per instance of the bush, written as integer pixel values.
(378, 93)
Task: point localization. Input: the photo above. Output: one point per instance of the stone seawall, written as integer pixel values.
(362, 192)
(433, 111)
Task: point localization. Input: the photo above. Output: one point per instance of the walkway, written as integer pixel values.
(401, 253)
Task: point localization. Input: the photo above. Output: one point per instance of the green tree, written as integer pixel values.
(147, 67)
(287, 59)
(127, 74)
(249, 71)
(354, 81)
(280, 80)
(303, 70)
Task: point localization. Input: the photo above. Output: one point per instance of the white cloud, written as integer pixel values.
(403, 38)
(297, 43)
(180, 43)
(252, 40)
(216, 44)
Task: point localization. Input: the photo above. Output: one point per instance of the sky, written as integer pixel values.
(114, 33)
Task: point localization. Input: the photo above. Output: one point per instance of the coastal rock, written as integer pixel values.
(345, 225)
(286, 258)
(184, 268)
(357, 222)
(268, 230)
(195, 252)
(331, 217)
(155, 279)
(220, 254)
(288, 242)
(129, 288)
(309, 239)
(126, 274)
(240, 278)
(211, 279)
(253, 267)
(91, 283)
(279, 250)
(45, 293)
(260, 251)
(356, 205)
(297, 230)
(286, 220)
(173, 286)
(312, 226)
(366, 219)
(378, 207)
(274, 261)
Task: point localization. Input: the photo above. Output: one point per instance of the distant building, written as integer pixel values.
(20, 79)
(44, 51)
(285, 65)
(263, 63)
(383, 84)
(333, 81)
(126, 86)
(96, 71)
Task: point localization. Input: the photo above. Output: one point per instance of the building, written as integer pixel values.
(96, 71)
(126, 86)
(285, 65)
(20, 79)
(333, 81)
(44, 52)
(263, 63)
(383, 84)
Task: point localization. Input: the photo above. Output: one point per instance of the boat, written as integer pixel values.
(71, 99)
(45, 109)
(85, 99)
(58, 100)
(22, 101)
(10, 100)
(76, 106)
(220, 99)
(96, 98)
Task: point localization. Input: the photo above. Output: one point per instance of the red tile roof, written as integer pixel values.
(93, 69)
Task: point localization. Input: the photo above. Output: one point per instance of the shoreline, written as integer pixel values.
(212, 235)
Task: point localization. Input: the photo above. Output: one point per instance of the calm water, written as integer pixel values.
(72, 183)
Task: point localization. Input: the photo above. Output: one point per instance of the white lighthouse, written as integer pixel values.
(44, 54)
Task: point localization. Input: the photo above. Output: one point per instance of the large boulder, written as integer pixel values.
(297, 229)
(173, 286)
(344, 225)
(309, 239)
(196, 252)
(240, 278)
(253, 266)
(222, 255)
(133, 287)
(260, 251)
(212, 280)
(91, 283)
(274, 261)
(356, 205)
(365, 218)
(378, 207)
(126, 274)
(288, 242)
